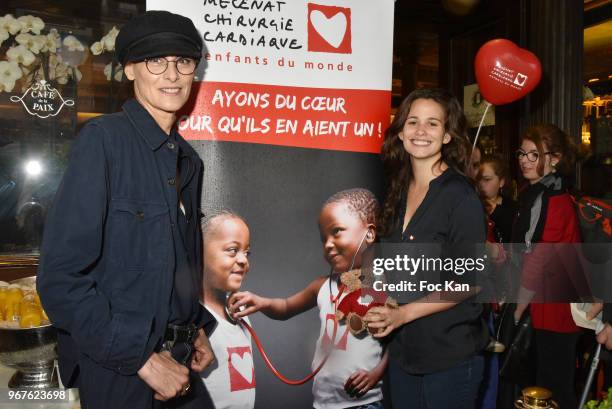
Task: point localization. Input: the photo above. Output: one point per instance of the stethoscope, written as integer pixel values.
(334, 301)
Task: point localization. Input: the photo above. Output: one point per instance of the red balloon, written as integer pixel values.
(505, 72)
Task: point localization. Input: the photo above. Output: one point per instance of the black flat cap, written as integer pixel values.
(157, 33)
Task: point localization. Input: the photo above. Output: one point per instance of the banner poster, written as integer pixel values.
(293, 100)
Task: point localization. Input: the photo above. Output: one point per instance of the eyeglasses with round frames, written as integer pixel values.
(159, 65)
(532, 156)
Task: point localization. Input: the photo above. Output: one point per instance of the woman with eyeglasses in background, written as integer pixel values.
(550, 273)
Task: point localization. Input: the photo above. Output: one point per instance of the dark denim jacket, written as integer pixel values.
(107, 259)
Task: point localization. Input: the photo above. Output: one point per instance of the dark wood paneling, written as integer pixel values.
(556, 37)
(458, 50)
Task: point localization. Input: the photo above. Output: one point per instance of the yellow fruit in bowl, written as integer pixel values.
(12, 304)
(20, 306)
(31, 316)
(3, 293)
(14, 292)
(11, 312)
(30, 298)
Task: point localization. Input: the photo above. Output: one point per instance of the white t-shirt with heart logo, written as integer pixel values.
(230, 380)
(350, 354)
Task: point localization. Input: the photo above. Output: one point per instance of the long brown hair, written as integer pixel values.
(396, 160)
(557, 142)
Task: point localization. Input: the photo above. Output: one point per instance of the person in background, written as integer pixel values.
(492, 177)
(550, 270)
(604, 337)
(474, 164)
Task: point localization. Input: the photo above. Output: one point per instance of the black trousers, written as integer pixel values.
(102, 388)
(556, 365)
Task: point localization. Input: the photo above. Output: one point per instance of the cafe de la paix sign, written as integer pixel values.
(42, 100)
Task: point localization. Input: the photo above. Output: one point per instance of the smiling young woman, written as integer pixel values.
(435, 352)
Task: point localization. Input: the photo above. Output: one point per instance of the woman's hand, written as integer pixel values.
(596, 308)
(383, 320)
(359, 383)
(165, 376)
(496, 252)
(251, 303)
(492, 250)
(518, 313)
(605, 336)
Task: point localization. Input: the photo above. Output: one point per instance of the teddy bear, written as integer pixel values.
(360, 298)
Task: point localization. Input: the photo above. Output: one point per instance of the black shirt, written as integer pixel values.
(503, 217)
(185, 306)
(451, 214)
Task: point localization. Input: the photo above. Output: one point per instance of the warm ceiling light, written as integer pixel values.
(594, 80)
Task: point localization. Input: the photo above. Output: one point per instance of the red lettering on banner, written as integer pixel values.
(318, 118)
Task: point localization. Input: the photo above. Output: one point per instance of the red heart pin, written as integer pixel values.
(505, 72)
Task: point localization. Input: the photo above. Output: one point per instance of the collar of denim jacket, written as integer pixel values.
(146, 125)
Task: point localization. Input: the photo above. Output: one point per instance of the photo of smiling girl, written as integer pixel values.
(230, 379)
(351, 377)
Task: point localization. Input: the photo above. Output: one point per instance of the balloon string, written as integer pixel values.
(479, 128)
(269, 363)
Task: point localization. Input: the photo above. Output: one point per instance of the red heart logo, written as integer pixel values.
(505, 72)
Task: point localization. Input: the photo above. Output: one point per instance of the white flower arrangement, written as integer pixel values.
(73, 43)
(33, 55)
(108, 69)
(107, 44)
(10, 25)
(9, 73)
(31, 23)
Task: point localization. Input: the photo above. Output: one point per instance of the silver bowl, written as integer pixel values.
(31, 351)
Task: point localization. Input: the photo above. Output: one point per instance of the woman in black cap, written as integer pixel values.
(120, 272)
